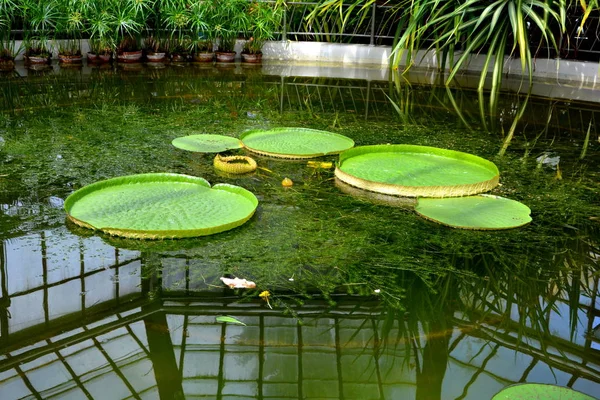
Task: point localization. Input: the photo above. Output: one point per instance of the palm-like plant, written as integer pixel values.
(39, 23)
(231, 18)
(202, 26)
(128, 18)
(70, 25)
(457, 29)
(8, 49)
(100, 22)
(264, 20)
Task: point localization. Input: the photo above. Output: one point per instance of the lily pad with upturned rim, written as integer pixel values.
(296, 143)
(482, 212)
(207, 143)
(416, 171)
(157, 206)
(530, 391)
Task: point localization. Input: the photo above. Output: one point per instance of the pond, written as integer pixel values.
(366, 300)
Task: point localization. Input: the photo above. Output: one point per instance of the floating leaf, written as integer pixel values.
(154, 206)
(416, 171)
(207, 143)
(295, 142)
(483, 212)
(230, 320)
(530, 391)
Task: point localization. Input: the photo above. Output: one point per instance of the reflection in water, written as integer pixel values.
(369, 301)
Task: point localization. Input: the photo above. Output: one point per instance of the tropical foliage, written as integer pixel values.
(457, 29)
(188, 24)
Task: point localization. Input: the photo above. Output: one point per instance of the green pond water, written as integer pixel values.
(366, 300)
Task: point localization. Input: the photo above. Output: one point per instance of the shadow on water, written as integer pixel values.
(366, 299)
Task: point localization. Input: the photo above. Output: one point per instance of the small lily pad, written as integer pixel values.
(530, 391)
(207, 143)
(482, 212)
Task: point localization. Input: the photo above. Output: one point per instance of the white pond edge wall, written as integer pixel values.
(585, 73)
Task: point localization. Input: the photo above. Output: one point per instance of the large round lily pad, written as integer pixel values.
(295, 142)
(482, 212)
(155, 206)
(530, 391)
(207, 143)
(416, 171)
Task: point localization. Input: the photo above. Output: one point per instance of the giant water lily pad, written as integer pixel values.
(155, 206)
(482, 212)
(207, 143)
(295, 142)
(416, 171)
(530, 391)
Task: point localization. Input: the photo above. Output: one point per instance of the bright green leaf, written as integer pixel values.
(295, 142)
(231, 320)
(155, 206)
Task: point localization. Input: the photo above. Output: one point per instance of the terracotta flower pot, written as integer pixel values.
(225, 56)
(129, 56)
(104, 58)
(36, 60)
(156, 57)
(92, 57)
(204, 57)
(254, 58)
(70, 59)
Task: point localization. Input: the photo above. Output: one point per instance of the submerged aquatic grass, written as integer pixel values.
(419, 288)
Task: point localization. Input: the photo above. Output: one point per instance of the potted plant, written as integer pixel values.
(39, 21)
(69, 51)
(180, 49)
(264, 20)
(8, 52)
(202, 27)
(203, 50)
(70, 24)
(155, 49)
(8, 49)
(129, 50)
(127, 20)
(99, 27)
(37, 51)
(231, 18)
(101, 50)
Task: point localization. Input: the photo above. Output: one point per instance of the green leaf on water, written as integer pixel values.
(160, 206)
(526, 391)
(295, 143)
(228, 319)
(206, 143)
(416, 171)
(483, 212)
